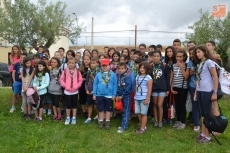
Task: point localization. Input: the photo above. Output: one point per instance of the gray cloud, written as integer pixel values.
(155, 15)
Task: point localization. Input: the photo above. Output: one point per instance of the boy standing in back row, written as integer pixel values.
(104, 91)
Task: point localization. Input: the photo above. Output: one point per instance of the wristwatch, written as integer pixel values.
(215, 91)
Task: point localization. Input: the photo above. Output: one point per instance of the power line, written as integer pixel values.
(180, 32)
(130, 37)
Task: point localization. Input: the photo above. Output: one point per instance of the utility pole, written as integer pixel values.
(92, 36)
(77, 27)
(135, 36)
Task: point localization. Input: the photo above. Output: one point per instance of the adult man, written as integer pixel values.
(191, 44)
(152, 48)
(62, 52)
(177, 44)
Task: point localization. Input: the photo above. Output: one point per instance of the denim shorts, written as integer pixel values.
(17, 87)
(159, 94)
(140, 108)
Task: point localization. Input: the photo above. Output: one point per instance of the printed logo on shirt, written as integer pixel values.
(157, 73)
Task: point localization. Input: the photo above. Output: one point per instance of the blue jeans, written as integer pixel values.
(126, 112)
(195, 108)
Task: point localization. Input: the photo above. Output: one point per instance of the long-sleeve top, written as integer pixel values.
(89, 80)
(71, 82)
(105, 84)
(41, 86)
(124, 85)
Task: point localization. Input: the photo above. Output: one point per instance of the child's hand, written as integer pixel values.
(167, 93)
(117, 98)
(35, 88)
(20, 76)
(214, 97)
(25, 88)
(191, 72)
(146, 102)
(87, 92)
(174, 92)
(180, 65)
(94, 97)
(113, 98)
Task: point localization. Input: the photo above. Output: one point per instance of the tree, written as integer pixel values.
(27, 24)
(207, 28)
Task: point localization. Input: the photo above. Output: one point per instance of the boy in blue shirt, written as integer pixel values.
(123, 94)
(104, 91)
(17, 81)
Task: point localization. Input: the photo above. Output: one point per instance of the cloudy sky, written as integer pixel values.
(151, 15)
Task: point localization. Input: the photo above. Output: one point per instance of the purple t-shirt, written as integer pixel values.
(206, 82)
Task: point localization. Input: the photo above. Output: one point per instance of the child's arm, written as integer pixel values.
(171, 83)
(114, 86)
(128, 86)
(79, 79)
(35, 82)
(150, 85)
(46, 83)
(86, 83)
(13, 73)
(11, 60)
(185, 73)
(215, 78)
(62, 79)
(167, 79)
(31, 78)
(95, 83)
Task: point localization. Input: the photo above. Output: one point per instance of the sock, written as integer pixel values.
(73, 117)
(68, 117)
(209, 138)
(202, 135)
(89, 118)
(13, 106)
(107, 120)
(100, 120)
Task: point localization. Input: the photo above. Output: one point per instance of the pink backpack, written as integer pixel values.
(33, 97)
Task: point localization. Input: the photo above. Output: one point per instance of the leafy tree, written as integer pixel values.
(207, 28)
(28, 24)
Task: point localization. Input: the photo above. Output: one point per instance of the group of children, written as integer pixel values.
(140, 81)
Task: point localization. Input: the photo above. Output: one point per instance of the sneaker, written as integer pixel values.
(119, 128)
(196, 128)
(96, 117)
(107, 125)
(24, 117)
(88, 120)
(155, 125)
(22, 108)
(100, 124)
(39, 119)
(181, 126)
(44, 111)
(36, 118)
(164, 121)
(204, 140)
(49, 112)
(169, 122)
(160, 125)
(29, 117)
(140, 131)
(176, 124)
(12, 109)
(198, 137)
(120, 131)
(67, 121)
(73, 121)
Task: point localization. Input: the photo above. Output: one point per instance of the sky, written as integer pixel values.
(150, 15)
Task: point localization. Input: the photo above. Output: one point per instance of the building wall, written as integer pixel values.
(4, 54)
(62, 42)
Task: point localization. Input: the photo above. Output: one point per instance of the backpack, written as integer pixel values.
(215, 124)
(33, 97)
(224, 80)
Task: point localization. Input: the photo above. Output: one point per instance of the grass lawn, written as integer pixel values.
(19, 135)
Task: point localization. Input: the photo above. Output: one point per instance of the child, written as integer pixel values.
(82, 93)
(86, 52)
(126, 52)
(110, 53)
(150, 60)
(123, 94)
(14, 58)
(137, 54)
(54, 88)
(36, 59)
(58, 55)
(71, 81)
(62, 53)
(94, 53)
(192, 88)
(27, 74)
(124, 59)
(115, 61)
(177, 44)
(40, 50)
(78, 58)
(161, 87)
(137, 63)
(142, 95)
(170, 59)
(69, 54)
(94, 69)
(40, 84)
(206, 89)
(131, 58)
(104, 91)
(179, 87)
(17, 81)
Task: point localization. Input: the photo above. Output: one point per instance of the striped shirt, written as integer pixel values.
(142, 87)
(178, 78)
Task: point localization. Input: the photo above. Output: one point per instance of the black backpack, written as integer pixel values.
(216, 123)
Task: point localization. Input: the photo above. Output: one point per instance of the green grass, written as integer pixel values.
(18, 135)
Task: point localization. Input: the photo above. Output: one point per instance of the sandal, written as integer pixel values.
(59, 117)
(55, 117)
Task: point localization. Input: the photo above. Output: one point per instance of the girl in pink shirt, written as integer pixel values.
(71, 81)
(14, 58)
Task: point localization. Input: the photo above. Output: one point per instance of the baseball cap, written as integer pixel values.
(105, 61)
(45, 56)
